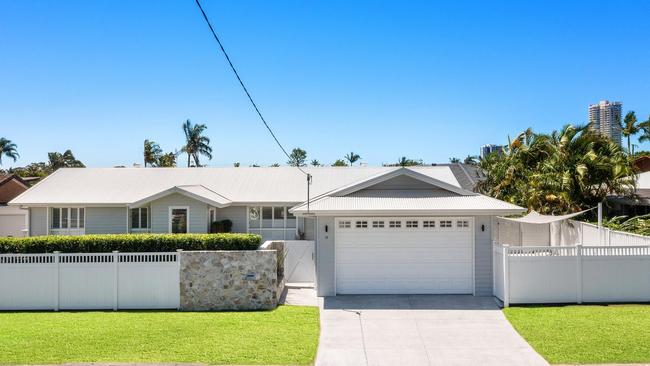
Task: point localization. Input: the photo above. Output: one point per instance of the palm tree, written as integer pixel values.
(563, 172)
(315, 163)
(339, 162)
(65, 160)
(645, 129)
(404, 161)
(352, 158)
(152, 152)
(196, 143)
(454, 160)
(166, 160)
(630, 128)
(8, 149)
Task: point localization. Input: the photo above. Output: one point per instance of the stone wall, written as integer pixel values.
(228, 280)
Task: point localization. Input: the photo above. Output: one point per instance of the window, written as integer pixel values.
(68, 218)
(462, 223)
(378, 224)
(178, 220)
(395, 224)
(428, 224)
(272, 222)
(445, 223)
(361, 224)
(345, 224)
(412, 224)
(139, 218)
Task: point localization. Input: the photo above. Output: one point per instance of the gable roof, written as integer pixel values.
(441, 199)
(126, 186)
(11, 186)
(197, 192)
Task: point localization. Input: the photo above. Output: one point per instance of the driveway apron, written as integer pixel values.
(419, 330)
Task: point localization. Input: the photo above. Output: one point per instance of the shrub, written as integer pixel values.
(129, 243)
(223, 226)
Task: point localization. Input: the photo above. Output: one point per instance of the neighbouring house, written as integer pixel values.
(636, 205)
(378, 230)
(13, 220)
(642, 164)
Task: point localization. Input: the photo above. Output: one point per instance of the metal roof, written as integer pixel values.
(409, 202)
(125, 186)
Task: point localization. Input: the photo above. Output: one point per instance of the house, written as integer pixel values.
(377, 230)
(13, 220)
(636, 205)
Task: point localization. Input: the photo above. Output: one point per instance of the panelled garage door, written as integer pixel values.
(397, 255)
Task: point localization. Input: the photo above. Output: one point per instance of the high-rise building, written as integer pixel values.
(489, 149)
(605, 117)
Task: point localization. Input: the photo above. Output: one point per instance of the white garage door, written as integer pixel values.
(418, 255)
(12, 225)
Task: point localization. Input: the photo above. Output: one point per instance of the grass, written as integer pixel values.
(287, 335)
(586, 334)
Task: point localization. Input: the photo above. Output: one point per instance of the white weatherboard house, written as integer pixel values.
(377, 230)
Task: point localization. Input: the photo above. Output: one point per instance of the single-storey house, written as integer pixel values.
(378, 230)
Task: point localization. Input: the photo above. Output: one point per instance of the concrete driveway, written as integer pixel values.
(419, 330)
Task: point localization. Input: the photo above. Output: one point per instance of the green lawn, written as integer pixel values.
(587, 333)
(287, 335)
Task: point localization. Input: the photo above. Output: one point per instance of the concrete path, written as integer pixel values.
(419, 330)
(299, 294)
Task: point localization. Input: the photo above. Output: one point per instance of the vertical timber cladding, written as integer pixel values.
(404, 255)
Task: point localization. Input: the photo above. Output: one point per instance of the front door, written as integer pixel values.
(178, 217)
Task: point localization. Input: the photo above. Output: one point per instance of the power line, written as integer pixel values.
(234, 70)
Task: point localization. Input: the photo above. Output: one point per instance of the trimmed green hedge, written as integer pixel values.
(130, 243)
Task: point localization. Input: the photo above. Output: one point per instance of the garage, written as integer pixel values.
(404, 255)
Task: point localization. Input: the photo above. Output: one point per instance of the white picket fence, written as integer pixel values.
(78, 281)
(571, 274)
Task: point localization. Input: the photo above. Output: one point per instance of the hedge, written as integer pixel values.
(129, 243)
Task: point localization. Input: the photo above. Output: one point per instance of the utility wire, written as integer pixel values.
(244, 87)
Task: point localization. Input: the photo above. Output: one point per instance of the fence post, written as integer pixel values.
(57, 261)
(579, 273)
(116, 278)
(506, 275)
(179, 252)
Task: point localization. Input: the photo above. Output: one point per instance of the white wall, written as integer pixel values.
(13, 221)
(572, 274)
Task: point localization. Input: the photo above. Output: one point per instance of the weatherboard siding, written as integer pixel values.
(236, 214)
(198, 217)
(37, 221)
(483, 256)
(106, 220)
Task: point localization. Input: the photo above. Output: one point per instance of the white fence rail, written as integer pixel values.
(575, 274)
(89, 281)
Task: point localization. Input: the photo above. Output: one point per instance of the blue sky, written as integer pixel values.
(384, 79)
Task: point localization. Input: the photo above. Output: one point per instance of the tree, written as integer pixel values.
(630, 128)
(236, 165)
(352, 158)
(340, 162)
(454, 160)
(471, 160)
(196, 144)
(645, 129)
(564, 172)
(404, 161)
(66, 160)
(275, 165)
(315, 163)
(298, 157)
(152, 153)
(167, 160)
(8, 149)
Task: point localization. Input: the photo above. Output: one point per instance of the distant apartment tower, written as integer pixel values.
(605, 117)
(489, 149)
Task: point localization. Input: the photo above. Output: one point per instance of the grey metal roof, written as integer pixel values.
(123, 186)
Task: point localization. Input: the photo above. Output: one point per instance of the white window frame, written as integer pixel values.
(169, 218)
(68, 230)
(139, 228)
(259, 229)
